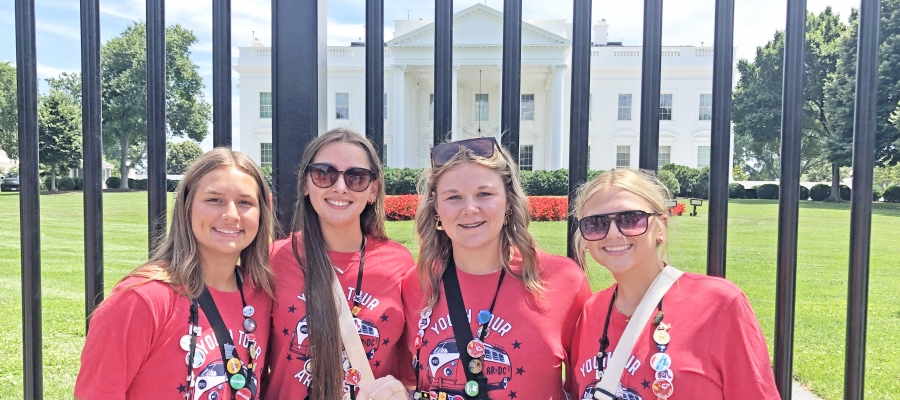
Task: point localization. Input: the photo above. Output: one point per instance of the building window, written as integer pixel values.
(526, 158)
(623, 156)
(665, 107)
(624, 107)
(481, 107)
(527, 107)
(705, 107)
(431, 107)
(342, 105)
(702, 156)
(384, 101)
(265, 154)
(665, 155)
(265, 104)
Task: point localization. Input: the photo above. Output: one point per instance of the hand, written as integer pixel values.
(386, 388)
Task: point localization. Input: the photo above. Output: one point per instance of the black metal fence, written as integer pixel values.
(298, 82)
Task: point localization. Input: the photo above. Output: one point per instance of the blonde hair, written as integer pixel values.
(176, 258)
(435, 247)
(642, 183)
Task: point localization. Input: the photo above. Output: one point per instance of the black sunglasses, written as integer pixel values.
(481, 147)
(326, 175)
(629, 223)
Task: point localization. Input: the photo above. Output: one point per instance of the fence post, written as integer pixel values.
(511, 80)
(650, 85)
(443, 70)
(375, 75)
(156, 121)
(579, 114)
(221, 73)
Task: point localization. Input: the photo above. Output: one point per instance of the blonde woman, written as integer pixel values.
(192, 322)
(495, 315)
(703, 340)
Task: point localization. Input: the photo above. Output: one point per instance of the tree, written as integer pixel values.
(757, 99)
(9, 125)
(841, 91)
(181, 155)
(59, 133)
(124, 64)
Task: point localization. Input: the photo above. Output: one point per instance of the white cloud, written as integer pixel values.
(66, 31)
(46, 71)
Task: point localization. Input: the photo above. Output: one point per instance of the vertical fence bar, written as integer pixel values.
(443, 72)
(789, 196)
(511, 82)
(298, 88)
(156, 120)
(93, 155)
(375, 75)
(650, 84)
(29, 198)
(861, 201)
(221, 73)
(723, 58)
(579, 114)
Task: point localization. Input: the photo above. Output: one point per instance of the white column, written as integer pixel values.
(399, 119)
(556, 117)
(454, 130)
(499, 101)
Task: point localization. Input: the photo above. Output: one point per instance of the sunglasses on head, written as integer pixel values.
(481, 147)
(326, 175)
(629, 223)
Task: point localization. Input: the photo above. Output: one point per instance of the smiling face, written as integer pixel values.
(339, 207)
(471, 201)
(620, 254)
(225, 214)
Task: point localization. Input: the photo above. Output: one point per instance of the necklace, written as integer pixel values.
(240, 377)
(660, 362)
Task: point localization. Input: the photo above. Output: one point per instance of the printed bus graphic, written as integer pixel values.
(445, 369)
(622, 393)
(368, 334)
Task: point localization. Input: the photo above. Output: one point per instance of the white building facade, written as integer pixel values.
(615, 98)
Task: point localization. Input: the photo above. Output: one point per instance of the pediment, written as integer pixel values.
(479, 26)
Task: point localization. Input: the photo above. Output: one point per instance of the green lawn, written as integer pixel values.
(753, 234)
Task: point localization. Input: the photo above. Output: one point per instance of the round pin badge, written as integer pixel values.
(484, 316)
(243, 394)
(660, 362)
(233, 366)
(421, 332)
(423, 323)
(249, 325)
(248, 311)
(418, 342)
(665, 374)
(346, 396)
(199, 358)
(237, 381)
(426, 312)
(475, 348)
(663, 388)
(475, 365)
(661, 337)
(308, 367)
(254, 350)
(471, 388)
(353, 376)
(185, 342)
(484, 331)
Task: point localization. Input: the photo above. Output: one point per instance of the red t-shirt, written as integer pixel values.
(380, 318)
(716, 347)
(529, 337)
(133, 349)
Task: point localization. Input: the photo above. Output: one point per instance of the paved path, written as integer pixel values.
(799, 393)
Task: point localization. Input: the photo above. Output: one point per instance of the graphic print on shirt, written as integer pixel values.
(212, 380)
(444, 370)
(369, 335)
(589, 368)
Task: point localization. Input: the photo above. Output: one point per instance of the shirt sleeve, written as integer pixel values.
(118, 342)
(743, 354)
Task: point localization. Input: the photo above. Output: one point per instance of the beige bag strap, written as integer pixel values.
(350, 336)
(609, 384)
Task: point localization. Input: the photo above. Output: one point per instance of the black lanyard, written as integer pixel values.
(604, 340)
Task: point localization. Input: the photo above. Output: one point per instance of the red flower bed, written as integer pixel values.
(401, 208)
(678, 209)
(542, 208)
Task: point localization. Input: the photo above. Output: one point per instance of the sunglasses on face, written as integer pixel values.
(481, 147)
(629, 223)
(326, 175)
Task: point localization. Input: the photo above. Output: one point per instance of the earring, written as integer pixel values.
(660, 240)
(438, 225)
(587, 250)
(506, 220)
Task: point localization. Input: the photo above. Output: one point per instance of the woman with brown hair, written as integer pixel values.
(184, 324)
(495, 313)
(338, 229)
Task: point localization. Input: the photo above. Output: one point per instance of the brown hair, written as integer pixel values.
(642, 183)
(322, 311)
(435, 247)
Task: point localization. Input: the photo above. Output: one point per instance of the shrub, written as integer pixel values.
(736, 191)
(892, 194)
(172, 184)
(79, 183)
(137, 184)
(546, 183)
(63, 183)
(819, 192)
(594, 174)
(668, 180)
(804, 193)
(751, 193)
(399, 181)
(543, 208)
(700, 185)
(845, 192)
(113, 182)
(401, 208)
(768, 191)
(686, 177)
(876, 194)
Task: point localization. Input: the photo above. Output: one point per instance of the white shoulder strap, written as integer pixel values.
(350, 336)
(610, 381)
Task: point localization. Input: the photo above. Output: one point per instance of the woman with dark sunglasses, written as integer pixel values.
(495, 314)
(338, 229)
(703, 340)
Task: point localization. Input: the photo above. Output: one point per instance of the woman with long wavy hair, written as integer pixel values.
(338, 229)
(192, 322)
(495, 314)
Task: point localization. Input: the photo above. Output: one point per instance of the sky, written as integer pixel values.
(685, 22)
